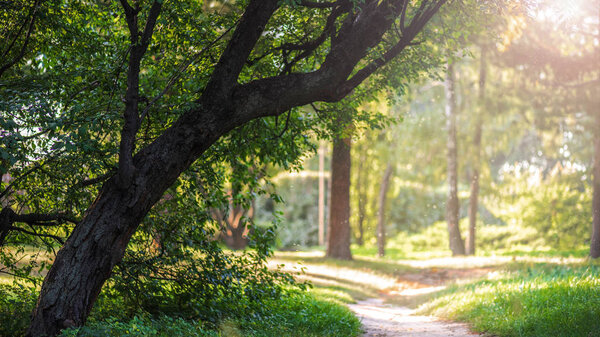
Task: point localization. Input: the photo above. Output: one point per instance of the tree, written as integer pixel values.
(338, 234)
(238, 89)
(383, 188)
(457, 245)
(569, 80)
(474, 196)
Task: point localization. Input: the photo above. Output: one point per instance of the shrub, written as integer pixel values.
(16, 304)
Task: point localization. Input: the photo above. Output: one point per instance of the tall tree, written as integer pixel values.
(476, 161)
(338, 234)
(595, 240)
(321, 206)
(383, 188)
(245, 84)
(457, 245)
(361, 182)
(594, 109)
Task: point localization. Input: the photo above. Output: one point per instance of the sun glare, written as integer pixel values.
(559, 11)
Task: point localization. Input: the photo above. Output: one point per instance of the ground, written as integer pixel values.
(386, 292)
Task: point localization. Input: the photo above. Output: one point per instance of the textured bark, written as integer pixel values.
(385, 184)
(595, 242)
(338, 235)
(99, 240)
(457, 245)
(474, 196)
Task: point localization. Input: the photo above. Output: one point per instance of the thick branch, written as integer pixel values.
(131, 114)
(245, 36)
(409, 34)
(8, 217)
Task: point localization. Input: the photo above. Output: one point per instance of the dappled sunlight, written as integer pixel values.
(337, 274)
(389, 320)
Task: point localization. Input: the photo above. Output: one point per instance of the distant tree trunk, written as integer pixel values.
(385, 184)
(474, 196)
(338, 235)
(321, 210)
(360, 187)
(234, 231)
(595, 242)
(457, 245)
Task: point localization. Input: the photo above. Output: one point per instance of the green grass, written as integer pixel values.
(530, 300)
(317, 313)
(300, 315)
(304, 315)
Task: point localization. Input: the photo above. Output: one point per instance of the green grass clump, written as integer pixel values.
(303, 314)
(544, 300)
(141, 326)
(297, 314)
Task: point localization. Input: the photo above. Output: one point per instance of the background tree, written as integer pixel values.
(452, 207)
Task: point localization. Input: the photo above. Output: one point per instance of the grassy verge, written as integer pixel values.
(299, 314)
(527, 300)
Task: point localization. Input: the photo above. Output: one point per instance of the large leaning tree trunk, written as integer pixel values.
(457, 245)
(595, 241)
(474, 196)
(338, 234)
(385, 184)
(99, 240)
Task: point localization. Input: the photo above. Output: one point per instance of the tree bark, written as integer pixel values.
(457, 245)
(99, 240)
(338, 234)
(385, 183)
(474, 196)
(595, 241)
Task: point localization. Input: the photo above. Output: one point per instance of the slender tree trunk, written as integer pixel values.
(338, 235)
(385, 184)
(474, 196)
(360, 189)
(457, 245)
(321, 213)
(595, 242)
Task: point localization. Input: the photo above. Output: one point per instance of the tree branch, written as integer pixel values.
(131, 113)
(245, 36)
(24, 46)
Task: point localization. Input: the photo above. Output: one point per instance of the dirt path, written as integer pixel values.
(385, 320)
(386, 301)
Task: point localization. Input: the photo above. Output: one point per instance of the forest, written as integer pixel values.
(270, 168)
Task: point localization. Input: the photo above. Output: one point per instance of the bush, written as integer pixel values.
(16, 304)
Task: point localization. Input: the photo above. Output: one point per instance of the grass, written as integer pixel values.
(522, 293)
(318, 312)
(525, 293)
(527, 300)
(300, 315)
